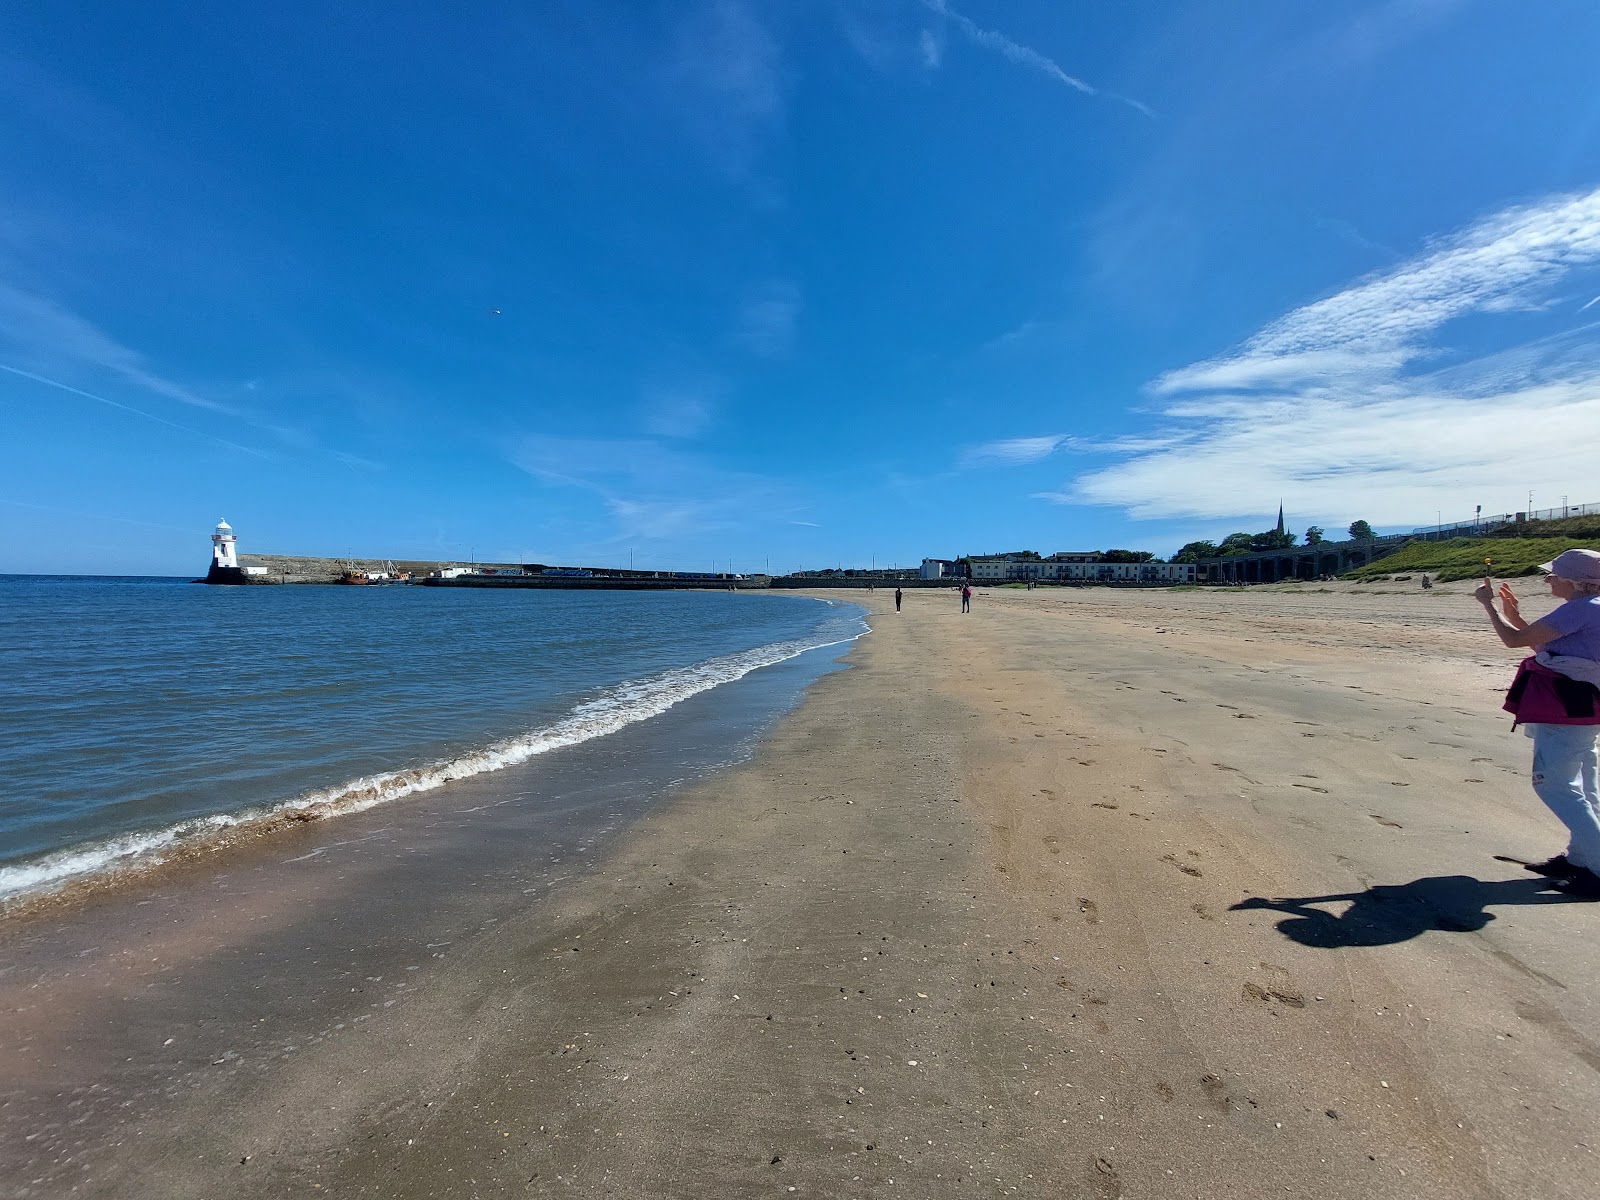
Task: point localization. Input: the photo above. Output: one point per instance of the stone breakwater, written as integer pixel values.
(294, 568)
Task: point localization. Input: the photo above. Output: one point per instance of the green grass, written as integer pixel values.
(1462, 558)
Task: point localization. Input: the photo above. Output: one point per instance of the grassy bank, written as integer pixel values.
(1462, 558)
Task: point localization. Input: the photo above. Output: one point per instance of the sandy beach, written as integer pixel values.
(1087, 893)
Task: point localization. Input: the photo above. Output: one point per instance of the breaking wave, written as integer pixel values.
(607, 712)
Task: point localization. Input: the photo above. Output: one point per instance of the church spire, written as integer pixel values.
(1280, 516)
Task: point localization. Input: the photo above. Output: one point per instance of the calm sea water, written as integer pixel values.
(139, 712)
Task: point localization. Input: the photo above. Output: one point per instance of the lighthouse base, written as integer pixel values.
(226, 575)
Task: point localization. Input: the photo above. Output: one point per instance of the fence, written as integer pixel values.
(1433, 533)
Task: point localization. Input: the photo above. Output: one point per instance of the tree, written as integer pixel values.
(1235, 543)
(1194, 551)
(1313, 535)
(1272, 539)
(1126, 556)
(1360, 531)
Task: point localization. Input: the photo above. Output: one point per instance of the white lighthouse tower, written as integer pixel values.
(223, 547)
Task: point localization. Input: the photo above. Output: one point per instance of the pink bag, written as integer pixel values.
(1540, 696)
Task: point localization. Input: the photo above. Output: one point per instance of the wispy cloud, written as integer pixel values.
(1337, 404)
(807, 524)
(1012, 452)
(727, 80)
(651, 490)
(1375, 327)
(128, 408)
(682, 411)
(1024, 56)
(1371, 33)
(932, 49)
(44, 331)
(767, 319)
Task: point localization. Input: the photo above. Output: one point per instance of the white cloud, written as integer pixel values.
(767, 319)
(1493, 266)
(1325, 406)
(1013, 451)
(932, 49)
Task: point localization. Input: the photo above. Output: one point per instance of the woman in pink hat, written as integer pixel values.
(1557, 697)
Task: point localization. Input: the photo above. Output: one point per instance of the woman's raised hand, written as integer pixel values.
(1508, 603)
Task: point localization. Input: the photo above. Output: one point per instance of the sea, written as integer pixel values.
(143, 716)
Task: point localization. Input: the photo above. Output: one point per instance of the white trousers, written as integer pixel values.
(1566, 776)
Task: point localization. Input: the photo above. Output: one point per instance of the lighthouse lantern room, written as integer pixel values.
(223, 552)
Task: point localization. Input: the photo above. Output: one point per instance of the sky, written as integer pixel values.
(782, 284)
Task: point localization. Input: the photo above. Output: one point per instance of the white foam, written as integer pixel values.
(611, 710)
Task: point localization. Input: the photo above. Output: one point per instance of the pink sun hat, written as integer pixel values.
(1580, 566)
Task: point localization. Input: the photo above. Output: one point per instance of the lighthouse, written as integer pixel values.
(225, 566)
(224, 552)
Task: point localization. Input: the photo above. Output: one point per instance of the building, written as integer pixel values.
(1087, 566)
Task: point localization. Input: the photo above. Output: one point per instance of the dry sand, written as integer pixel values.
(983, 917)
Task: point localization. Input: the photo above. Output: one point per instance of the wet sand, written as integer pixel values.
(1003, 910)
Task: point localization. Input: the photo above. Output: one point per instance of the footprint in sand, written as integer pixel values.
(1051, 841)
(1184, 867)
(1089, 909)
(1047, 792)
(1386, 821)
(1103, 804)
(1311, 788)
(1215, 1091)
(1201, 911)
(1104, 1180)
(1265, 995)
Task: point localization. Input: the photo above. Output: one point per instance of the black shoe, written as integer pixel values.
(1557, 867)
(1581, 882)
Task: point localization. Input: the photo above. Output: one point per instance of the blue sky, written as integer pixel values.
(802, 281)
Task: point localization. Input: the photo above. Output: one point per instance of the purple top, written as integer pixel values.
(1578, 623)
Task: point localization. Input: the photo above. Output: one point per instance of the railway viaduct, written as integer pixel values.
(1300, 562)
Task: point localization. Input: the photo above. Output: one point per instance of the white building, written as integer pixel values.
(1076, 567)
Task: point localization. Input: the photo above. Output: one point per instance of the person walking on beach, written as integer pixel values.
(897, 599)
(1556, 696)
(966, 597)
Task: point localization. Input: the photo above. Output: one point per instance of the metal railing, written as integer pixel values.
(1500, 520)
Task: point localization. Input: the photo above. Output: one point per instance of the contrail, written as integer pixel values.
(1025, 55)
(138, 412)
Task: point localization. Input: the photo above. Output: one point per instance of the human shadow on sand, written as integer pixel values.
(1388, 913)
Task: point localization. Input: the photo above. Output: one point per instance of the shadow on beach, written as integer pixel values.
(1389, 913)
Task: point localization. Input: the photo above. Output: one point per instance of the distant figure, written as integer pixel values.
(1556, 697)
(966, 597)
(1426, 582)
(897, 599)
